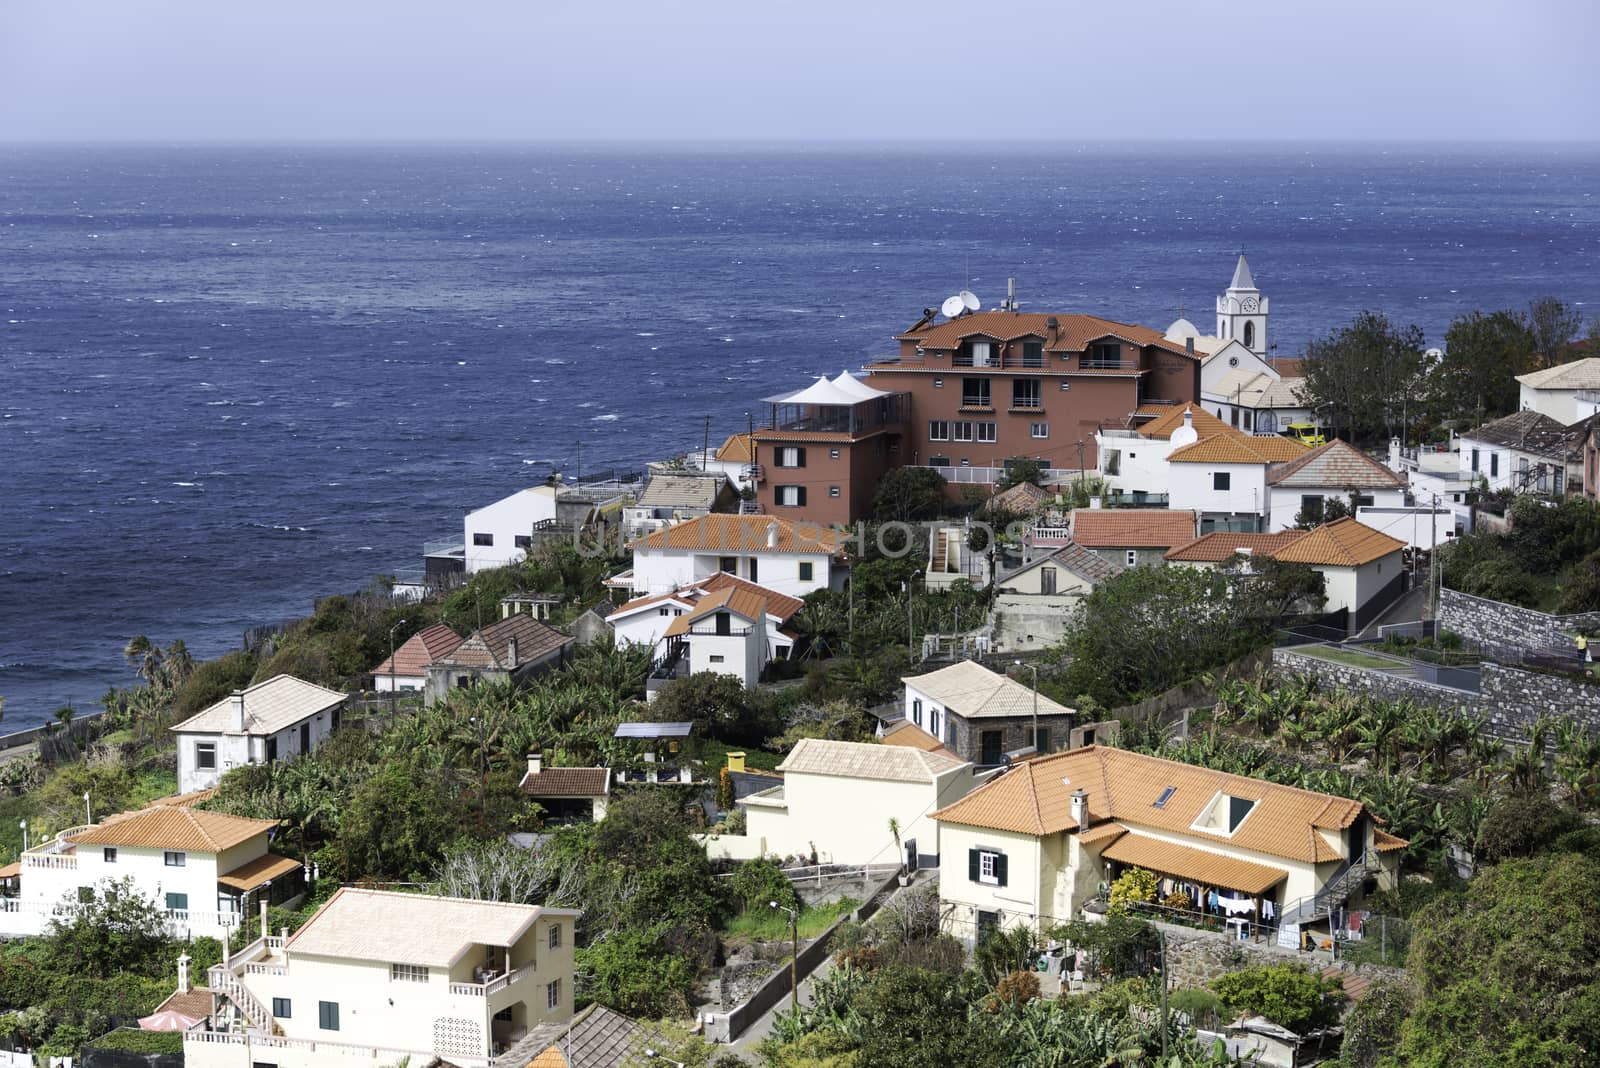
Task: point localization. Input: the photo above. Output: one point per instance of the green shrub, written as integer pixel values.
(130, 1040)
(757, 882)
(1290, 995)
(1520, 827)
(1203, 1007)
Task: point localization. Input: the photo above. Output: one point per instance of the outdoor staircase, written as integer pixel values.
(225, 983)
(749, 507)
(1334, 893)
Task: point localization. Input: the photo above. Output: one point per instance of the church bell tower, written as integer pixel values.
(1242, 312)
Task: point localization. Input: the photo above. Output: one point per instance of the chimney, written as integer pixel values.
(183, 973)
(511, 652)
(535, 762)
(1052, 324)
(1096, 502)
(735, 761)
(236, 708)
(1080, 808)
(1188, 345)
(772, 536)
(1188, 417)
(1011, 294)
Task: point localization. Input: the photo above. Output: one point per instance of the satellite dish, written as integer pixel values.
(953, 307)
(970, 301)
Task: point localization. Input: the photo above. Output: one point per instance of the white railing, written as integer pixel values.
(49, 860)
(266, 969)
(349, 1049)
(493, 986)
(1046, 535)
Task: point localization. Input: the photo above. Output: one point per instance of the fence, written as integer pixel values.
(728, 1026)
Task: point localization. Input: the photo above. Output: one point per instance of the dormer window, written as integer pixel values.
(1224, 814)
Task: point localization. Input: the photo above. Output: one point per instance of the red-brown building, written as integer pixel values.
(990, 387)
(824, 448)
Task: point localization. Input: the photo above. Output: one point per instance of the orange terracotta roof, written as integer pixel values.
(1205, 424)
(193, 797)
(172, 827)
(1199, 865)
(741, 533)
(1132, 528)
(1220, 449)
(1342, 543)
(490, 647)
(1074, 332)
(1105, 832)
(254, 873)
(1152, 410)
(411, 660)
(746, 603)
(1220, 545)
(12, 870)
(778, 604)
(567, 782)
(194, 1003)
(1274, 447)
(736, 449)
(1034, 797)
(904, 732)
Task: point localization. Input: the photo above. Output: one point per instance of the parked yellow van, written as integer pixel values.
(1308, 434)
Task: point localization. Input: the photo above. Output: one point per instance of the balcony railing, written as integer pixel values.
(370, 1054)
(1091, 364)
(493, 986)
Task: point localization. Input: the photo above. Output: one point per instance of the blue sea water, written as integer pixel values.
(235, 379)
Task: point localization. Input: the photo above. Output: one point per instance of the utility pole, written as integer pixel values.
(705, 446)
(1163, 936)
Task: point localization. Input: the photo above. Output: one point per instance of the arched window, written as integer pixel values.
(1249, 335)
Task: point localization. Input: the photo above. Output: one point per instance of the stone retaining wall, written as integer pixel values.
(1512, 700)
(1506, 629)
(1194, 958)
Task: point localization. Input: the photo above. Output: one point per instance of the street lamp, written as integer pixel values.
(911, 635)
(1035, 669)
(24, 825)
(392, 629)
(794, 961)
(87, 818)
(657, 1055)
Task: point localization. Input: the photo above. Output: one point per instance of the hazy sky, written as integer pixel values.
(929, 72)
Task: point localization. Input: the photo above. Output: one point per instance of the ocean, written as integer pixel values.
(234, 379)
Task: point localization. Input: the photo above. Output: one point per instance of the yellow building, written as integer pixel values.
(1036, 843)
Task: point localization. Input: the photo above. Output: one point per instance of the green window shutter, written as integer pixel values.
(1000, 868)
(972, 864)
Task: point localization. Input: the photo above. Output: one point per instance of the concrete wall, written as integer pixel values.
(1190, 486)
(1017, 903)
(660, 571)
(503, 522)
(1506, 628)
(1030, 622)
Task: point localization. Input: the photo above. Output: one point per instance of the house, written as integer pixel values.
(824, 448)
(1525, 452)
(502, 533)
(733, 460)
(663, 752)
(1257, 402)
(516, 648)
(1338, 470)
(388, 977)
(837, 798)
(566, 794)
(1038, 841)
(1131, 537)
(793, 558)
(982, 715)
(1363, 569)
(1224, 477)
(1034, 603)
(725, 633)
(407, 669)
(1025, 498)
(1554, 391)
(644, 620)
(988, 387)
(204, 869)
(952, 559)
(277, 719)
(669, 499)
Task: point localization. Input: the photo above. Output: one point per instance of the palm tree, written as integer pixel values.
(144, 656)
(177, 664)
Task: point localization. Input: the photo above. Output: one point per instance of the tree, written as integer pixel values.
(1507, 971)
(718, 705)
(1019, 471)
(398, 821)
(1151, 628)
(917, 1019)
(116, 929)
(1372, 1027)
(1519, 826)
(1483, 354)
(909, 494)
(1288, 994)
(1552, 324)
(1363, 375)
(635, 972)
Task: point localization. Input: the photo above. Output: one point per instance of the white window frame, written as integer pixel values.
(987, 431)
(935, 722)
(555, 936)
(552, 993)
(961, 430)
(408, 973)
(203, 750)
(833, 491)
(1039, 430)
(938, 430)
(1133, 557)
(986, 868)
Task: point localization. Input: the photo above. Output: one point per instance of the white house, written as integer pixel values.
(1335, 470)
(788, 557)
(725, 633)
(205, 869)
(837, 799)
(644, 620)
(1033, 845)
(277, 719)
(388, 977)
(1554, 390)
(1525, 452)
(672, 498)
(501, 533)
(407, 669)
(1034, 603)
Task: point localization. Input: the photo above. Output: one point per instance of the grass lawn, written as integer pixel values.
(770, 925)
(1350, 657)
(715, 756)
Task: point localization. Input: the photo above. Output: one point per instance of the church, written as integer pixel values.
(1240, 381)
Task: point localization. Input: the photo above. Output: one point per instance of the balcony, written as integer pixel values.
(1091, 364)
(493, 985)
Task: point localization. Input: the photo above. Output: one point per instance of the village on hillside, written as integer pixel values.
(1048, 689)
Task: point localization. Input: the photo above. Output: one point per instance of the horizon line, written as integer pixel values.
(966, 147)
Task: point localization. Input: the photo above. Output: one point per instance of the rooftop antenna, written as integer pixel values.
(953, 306)
(969, 300)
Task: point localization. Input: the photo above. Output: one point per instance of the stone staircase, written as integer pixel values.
(226, 984)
